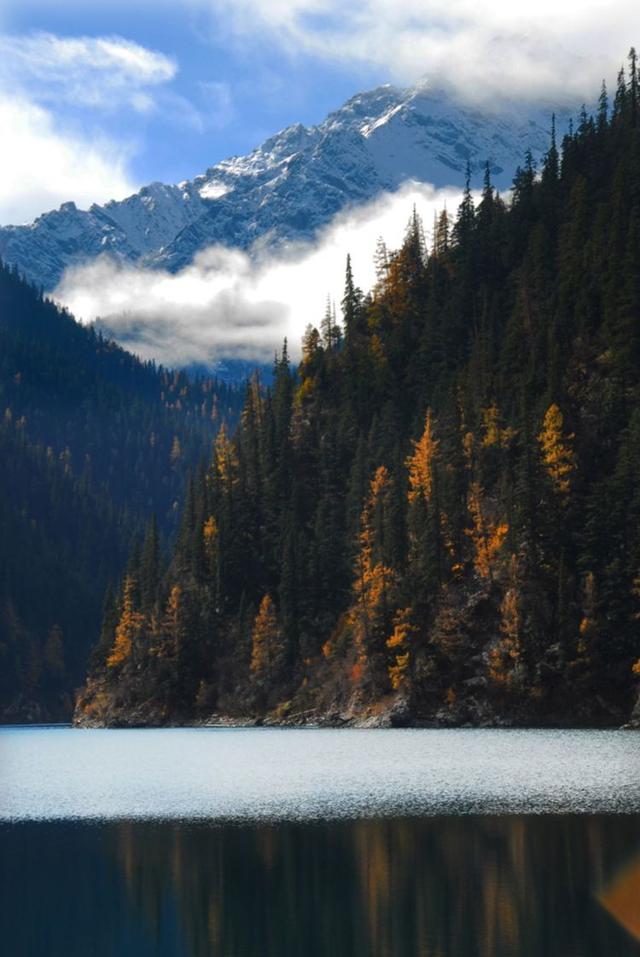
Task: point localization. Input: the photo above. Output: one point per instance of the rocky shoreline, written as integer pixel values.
(395, 715)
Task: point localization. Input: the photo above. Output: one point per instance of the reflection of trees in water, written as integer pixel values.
(448, 887)
(621, 897)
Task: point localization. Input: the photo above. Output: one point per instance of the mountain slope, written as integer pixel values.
(92, 442)
(436, 518)
(293, 184)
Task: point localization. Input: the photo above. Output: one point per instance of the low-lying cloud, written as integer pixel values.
(231, 304)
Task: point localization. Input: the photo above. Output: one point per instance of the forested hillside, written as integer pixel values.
(437, 517)
(92, 443)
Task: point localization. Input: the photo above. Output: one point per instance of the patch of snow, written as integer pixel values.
(370, 128)
(214, 189)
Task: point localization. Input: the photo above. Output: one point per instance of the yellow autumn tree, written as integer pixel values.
(129, 627)
(558, 456)
(225, 459)
(493, 433)
(505, 658)
(486, 535)
(267, 646)
(399, 643)
(370, 614)
(420, 463)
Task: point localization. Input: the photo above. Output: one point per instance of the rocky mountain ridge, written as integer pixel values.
(290, 186)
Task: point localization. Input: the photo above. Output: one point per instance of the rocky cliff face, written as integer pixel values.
(290, 186)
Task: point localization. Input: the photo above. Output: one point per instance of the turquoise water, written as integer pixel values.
(279, 843)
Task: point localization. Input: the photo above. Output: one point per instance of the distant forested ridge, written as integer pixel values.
(437, 517)
(92, 443)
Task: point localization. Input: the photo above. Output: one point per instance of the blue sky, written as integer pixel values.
(240, 92)
(98, 97)
(226, 95)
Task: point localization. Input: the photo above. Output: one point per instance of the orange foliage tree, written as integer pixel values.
(494, 434)
(505, 658)
(558, 456)
(129, 627)
(487, 536)
(372, 610)
(267, 646)
(420, 463)
(400, 645)
(225, 459)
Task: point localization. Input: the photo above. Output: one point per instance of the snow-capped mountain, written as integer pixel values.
(290, 186)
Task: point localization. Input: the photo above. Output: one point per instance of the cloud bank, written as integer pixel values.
(229, 304)
(547, 51)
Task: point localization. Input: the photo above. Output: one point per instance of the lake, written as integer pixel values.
(270, 843)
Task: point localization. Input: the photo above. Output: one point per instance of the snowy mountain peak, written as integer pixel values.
(290, 186)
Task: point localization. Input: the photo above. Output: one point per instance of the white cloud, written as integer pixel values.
(42, 165)
(485, 50)
(229, 304)
(49, 154)
(100, 72)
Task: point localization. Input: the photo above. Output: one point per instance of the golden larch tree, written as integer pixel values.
(558, 456)
(400, 645)
(370, 614)
(494, 434)
(420, 463)
(505, 658)
(129, 627)
(266, 642)
(487, 536)
(225, 459)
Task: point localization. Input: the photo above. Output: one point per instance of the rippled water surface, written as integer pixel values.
(260, 774)
(266, 843)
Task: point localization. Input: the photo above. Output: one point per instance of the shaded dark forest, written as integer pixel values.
(92, 443)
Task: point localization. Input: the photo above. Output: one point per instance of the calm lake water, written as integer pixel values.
(279, 843)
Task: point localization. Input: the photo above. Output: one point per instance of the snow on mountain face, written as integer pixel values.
(127, 230)
(289, 187)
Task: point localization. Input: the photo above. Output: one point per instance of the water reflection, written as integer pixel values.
(430, 887)
(621, 897)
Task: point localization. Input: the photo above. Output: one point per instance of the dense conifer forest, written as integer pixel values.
(92, 443)
(436, 517)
